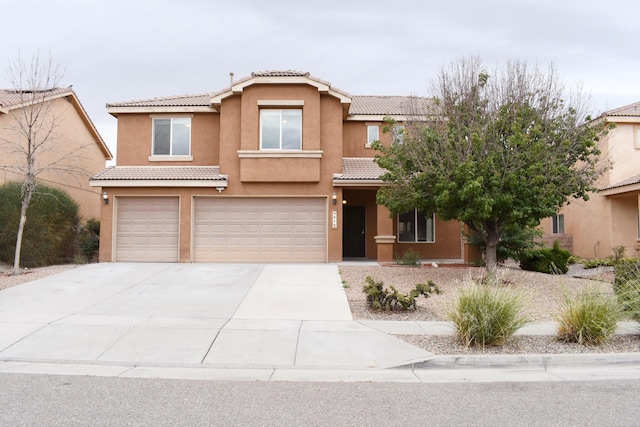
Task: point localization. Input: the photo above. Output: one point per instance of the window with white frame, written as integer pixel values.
(373, 134)
(416, 226)
(557, 224)
(172, 137)
(281, 129)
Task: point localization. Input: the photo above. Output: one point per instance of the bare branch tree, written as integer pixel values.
(31, 141)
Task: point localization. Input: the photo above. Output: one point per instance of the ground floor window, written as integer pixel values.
(557, 224)
(416, 226)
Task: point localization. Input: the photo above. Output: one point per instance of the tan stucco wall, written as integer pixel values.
(355, 139)
(604, 222)
(135, 140)
(71, 139)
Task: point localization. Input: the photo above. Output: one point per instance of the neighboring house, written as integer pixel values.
(609, 218)
(74, 141)
(276, 168)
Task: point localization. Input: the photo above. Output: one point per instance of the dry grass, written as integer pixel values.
(544, 292)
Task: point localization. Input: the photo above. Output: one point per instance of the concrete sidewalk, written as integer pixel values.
(231, 321)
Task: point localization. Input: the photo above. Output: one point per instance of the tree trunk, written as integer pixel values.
(23, 219)
(492, 249)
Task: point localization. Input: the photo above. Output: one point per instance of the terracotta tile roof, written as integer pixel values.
(201, 100)
(359, 169)
(11, 97)
(627, 110)
(160, 173)
(629, 181)
(280, 73)
(389, 105)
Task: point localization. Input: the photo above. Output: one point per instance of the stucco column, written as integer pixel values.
(384, 235)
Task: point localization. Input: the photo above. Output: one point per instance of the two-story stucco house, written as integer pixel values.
(610, 218)
(275, 168)
(74, 144)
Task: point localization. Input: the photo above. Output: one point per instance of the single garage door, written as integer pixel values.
(260, 229)
(147, 229)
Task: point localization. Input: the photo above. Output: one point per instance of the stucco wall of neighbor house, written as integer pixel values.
(623, 153)
(135, 139)
(625, 223)
(73, 140)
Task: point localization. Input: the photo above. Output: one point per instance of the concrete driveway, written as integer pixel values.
(207, 315)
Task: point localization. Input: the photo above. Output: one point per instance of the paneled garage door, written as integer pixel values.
(260, 229)
(147, 229)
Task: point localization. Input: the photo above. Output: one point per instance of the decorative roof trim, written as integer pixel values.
(279, 78)
(158, 183)
(114, 111)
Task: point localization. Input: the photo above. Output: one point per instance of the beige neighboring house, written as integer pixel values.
(74, 139)
(277, 167)
(609, 218)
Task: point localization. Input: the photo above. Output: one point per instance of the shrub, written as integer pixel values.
(410, 258)
(89, 239)
(589, 318)
(48, 235)
(598, 262)
(380, 298)
(545, 260)
(627, 286)
(486, 314)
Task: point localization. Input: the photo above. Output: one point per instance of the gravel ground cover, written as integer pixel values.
(543, 293)
(7, 280)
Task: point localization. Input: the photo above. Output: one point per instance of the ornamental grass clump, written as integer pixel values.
(589, 318)
(486, 314)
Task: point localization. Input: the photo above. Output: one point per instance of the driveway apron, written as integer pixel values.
(212, 315)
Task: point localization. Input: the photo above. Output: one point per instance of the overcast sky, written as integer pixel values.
(121, 50)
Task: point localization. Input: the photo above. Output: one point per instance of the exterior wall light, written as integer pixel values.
(105, 197)
(220, 189)
(334, 197)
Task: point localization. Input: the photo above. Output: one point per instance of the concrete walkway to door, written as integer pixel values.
(159, 316)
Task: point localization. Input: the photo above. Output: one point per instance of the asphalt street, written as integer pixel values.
(49, 400)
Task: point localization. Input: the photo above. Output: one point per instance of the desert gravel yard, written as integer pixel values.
(543, 294)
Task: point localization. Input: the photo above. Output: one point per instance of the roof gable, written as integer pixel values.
(11, 99)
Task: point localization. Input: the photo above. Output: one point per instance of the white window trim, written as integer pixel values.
(281, 149)
(280, 103)
(372, 125)
(415, 219)
(169, 157)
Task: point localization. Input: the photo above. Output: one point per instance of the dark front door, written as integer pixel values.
(353, 243)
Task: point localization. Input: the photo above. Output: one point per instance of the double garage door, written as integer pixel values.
(224, 229)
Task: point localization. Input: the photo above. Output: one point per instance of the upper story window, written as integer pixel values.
(398, 134)
(373, 134)
(281, 129)
(636, 132)
(172, 137)
(415, 226)
(557, 224)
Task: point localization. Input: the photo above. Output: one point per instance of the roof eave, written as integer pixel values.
(114, 111)
(211, 183)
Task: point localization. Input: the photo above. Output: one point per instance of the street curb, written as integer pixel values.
(526, 361)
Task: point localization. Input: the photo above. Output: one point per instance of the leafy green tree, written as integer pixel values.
(496, 152)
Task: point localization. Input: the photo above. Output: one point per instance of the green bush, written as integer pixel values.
(380, 298)
(589, 318)
(49, 232)
(598, 262)
(409, 257)
(89, 239)
(545, 260)
(627, 286)
(486, 314)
